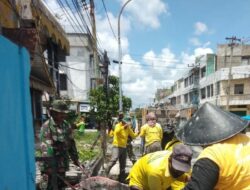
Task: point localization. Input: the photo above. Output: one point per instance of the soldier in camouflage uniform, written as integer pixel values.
(57, 146)
(130, 150)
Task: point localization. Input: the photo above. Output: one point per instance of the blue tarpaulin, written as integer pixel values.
(17, 162)
(247, 117)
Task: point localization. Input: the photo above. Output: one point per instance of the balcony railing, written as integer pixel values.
(239, 99)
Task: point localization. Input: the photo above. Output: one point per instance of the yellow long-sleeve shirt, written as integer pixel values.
(232, 157)
(121, 135)
(151, 134)
(151, 173)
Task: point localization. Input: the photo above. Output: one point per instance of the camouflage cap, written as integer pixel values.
(60, 106)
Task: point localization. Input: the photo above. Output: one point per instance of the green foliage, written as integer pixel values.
(84, 143)
(85, 155)
(72, 116)
(101, 106)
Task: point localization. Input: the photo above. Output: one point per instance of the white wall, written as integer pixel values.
(79, 67)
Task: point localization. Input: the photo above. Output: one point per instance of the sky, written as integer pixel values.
(160, 38)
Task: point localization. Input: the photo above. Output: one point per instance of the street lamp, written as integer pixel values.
(120, 57)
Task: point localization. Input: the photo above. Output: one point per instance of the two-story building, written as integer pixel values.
(30, 24)
(207, 81)
(77, 72)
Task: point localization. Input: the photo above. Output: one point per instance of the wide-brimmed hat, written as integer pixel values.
(60, 106)
(209, 125)
(181, 158)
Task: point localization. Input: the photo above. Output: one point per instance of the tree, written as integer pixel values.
(103, 106)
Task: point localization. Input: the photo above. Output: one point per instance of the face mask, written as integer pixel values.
(174, 173)
(151, 122)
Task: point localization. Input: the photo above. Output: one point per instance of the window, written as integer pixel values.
(191, 79)
(245, 61)
(208, 91)
(63, 82)
(212, 90)
(218, 88)
(203, 72)
(186, 82)
(186, 98)
(173, 101)
(178, 100)
(239, 89)
(203, 93)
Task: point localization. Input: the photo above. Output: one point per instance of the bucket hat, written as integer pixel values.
(60, 106)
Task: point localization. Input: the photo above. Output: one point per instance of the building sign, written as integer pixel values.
(84, 107)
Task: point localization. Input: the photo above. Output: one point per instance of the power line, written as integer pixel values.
(81, 17)
(69, 17)
(75, 68)
(108, 19)
(150, 65)
(232, 43)
(85, 8)
(75, 84)
(151, 58)
(78, 10)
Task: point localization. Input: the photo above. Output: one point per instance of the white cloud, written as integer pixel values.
(108, 38)
(206, 44)
(195, 41)
(147, 12)
(157, 70)
(200, 28)
(140, 81)
(202, 51)
(189, 59)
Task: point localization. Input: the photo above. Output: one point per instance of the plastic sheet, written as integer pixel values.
(17, 160)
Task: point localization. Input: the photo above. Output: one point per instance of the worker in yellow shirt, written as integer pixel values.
(152, 132)
(225, 161)
(159, 170)
(170, 145)
(121, 132)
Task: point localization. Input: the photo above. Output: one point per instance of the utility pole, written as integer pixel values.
(104, 70)
(120, 55)
(94, 40)
(231, 44)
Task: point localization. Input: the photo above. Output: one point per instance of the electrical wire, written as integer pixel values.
(71, 19)
(81, 17)
(73, 24)
(62, 65)
(88, 15)
(75, 68)
(82, 90)
(155, 66)
(109, 19)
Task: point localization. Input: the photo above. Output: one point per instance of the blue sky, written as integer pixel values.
(161, 37)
